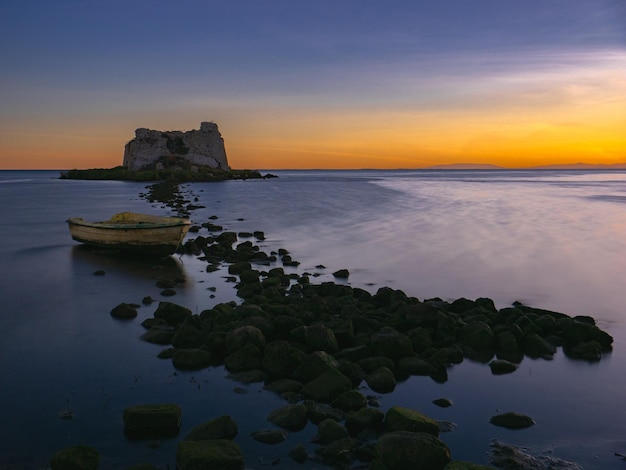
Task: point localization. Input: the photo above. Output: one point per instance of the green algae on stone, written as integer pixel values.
(78, 457)
(200, 455)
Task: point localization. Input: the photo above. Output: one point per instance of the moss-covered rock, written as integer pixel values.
(172, 313)
(191, 359)
(281, 359)
(292, 417)
(152, 420)
(199, 455)
(401, 450)
(246, 358)
(501, 366)
(191, 333)
(78, 457)
(330, 430)
(281, 386)
(381, 380)
(320, 338)
(124, 311)
(365, 418)
(318, 412)
(223, 427)
(512, 420)
(415, 366)
(269, 436)
(351, 400)
(390, 343)
(399, 418)
(327, 386)
(314, 365)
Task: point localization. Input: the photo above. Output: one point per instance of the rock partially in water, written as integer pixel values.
(512, 420)
(507, 456)
(402, 450)
(270, 436)
(399, 418)
(152, 420)
(292, 417)
(220, 453)
(124, 311)
(223, 427)
(78, 457)
(501, 367)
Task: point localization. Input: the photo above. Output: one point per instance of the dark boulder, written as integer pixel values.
(78, 457)
(512, 420)
(402, 450)
(124, 311)
(405, 419)
(220, 453)
(172, 313)
(222, 427)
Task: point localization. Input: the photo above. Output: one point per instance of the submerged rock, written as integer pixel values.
(507, 456)
(75, 458)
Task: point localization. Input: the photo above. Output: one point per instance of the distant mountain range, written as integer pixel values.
(573, 166)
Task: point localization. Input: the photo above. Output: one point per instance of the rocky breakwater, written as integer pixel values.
(319, 346)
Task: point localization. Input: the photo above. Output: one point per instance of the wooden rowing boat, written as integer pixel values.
(132, 232)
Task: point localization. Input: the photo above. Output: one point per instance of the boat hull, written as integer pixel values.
(132, 232)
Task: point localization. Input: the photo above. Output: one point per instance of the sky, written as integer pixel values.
(324, 84)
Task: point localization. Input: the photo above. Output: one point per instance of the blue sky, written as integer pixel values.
(269, 72)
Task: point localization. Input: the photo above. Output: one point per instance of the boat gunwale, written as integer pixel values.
(127, 226)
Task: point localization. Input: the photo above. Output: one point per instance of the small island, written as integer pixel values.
(196, 155)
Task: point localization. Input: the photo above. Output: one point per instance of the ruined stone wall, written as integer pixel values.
(198, 147)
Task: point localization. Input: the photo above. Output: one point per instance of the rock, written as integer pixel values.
(508, 456)
(320, 338)
(353, 371)
(478, 335)
(318, 412)
(299, 454)
(248, 376)
(152, 420)
(459, 465)
(338, 454)
(270, 436)
(512, 420)
(222, 427)
(244, 335)
(172, 313)
(390, 343)
(500, 367)
(418, 451)
(365, 418)
(292, 417)
(370, 364)
(313, 366)
(446, 426)
(191, 359)
(330, 430)
(191, 333)
(415, 366)
(327, 386)
(239, 267)
(124, 311)
(281, 359)
(248, 357)
(405, 419)
(75, 458)
(158, 335)
(381, 380)
(588, 351)
(443, 402)
(352, 400)
(204, 147)
(281, 386)
(220, 453)
(536, 346)
(342, 274)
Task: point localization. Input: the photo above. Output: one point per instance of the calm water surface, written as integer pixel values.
(553, 240)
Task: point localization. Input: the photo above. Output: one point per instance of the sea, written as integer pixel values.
(549, 239)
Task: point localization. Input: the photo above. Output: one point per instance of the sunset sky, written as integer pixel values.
(316, 84)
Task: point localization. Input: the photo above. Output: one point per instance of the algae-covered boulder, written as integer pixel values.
(460, 465)
(124, 311)
(478, 335)
(75, 458)
(338, 454)
(199, 455)
(320, 338)
(269, 436)
(281, 359)
(365, 418)
(242, 336)
(246, 358)
(512, 420)
(399, 418)
(292, 417)
(191, 359)
(223, 427)
(351, 400)
(172, 313)
(281, 386)
(314, 365)
(390, 343)
(501, 366)
(318, 412)
(191, 333)
(401, 450)
(330, 430)
(536, 346)
(152, 420)
(327, 386)
(415, 366)
(381, 380)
